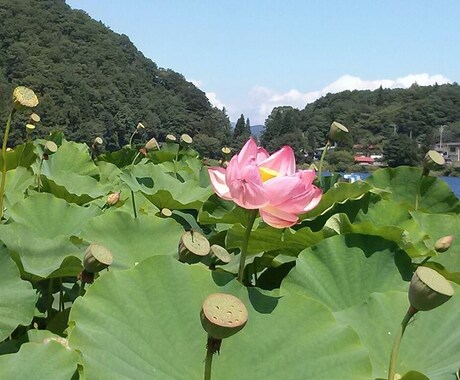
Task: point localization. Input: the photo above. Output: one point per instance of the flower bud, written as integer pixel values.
(433, 160)
(185, 140)
(24, 98)
(223, 315)
(193, 246)
(113, 198)
(152, 144)
(97, 258)
(337, 131)
(428, 289)
(443, 244)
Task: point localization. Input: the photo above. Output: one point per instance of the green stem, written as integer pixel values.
(61, 295)
(131, 138)
(5, 140)
(81, 291)
(423, 261)
(320, 169)
(208, 364)
(417, 196)
(39, 181)
(244, 247)
(394, 352)
(50, 300)
(132, 192)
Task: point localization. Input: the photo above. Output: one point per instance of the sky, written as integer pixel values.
(250, 56)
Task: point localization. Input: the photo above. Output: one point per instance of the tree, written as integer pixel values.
(401, 150)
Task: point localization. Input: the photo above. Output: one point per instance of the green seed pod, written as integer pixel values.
(171, 138)
(152, 144)
(428, 289)
(193, 246)
(433, 160)
(217, 256)
(98, 141)
(223, 315)
(34, 118)
(24, 98)
(443, 244)
(185, 140)
(337, 131)
(30, 127)
(166, 212)
(139, 126)
(50, 148)
(97, 258)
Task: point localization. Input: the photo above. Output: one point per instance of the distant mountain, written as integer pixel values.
(94, 82)
(257, 130)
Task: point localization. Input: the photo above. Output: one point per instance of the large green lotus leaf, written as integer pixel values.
(132, 240)
(144, 323)
(218, 210)
(50, 361)
(108, 173)
(17, 182)
(340, 193)
(21, 155)
(48, 216)
(71, 157)
(430, 344)
(266, 238)
(163, 190)
(40, 232)
(344, 270)
(17, 305)
(404, 183)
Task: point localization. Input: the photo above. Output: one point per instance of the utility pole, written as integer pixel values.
(441, 129)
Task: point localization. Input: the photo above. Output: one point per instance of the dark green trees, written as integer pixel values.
(401, 150)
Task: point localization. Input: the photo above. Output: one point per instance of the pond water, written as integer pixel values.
(453, 182)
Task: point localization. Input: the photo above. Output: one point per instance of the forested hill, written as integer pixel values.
(372, 117)
(94, 82)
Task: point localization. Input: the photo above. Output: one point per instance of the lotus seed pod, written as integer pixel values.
(113, 198)
(443, 244)
(166, 212)
(98, 141)
(428, 289)
(50, 148)
(337, 131)
(185, 140)
(9, 149)
(193, 246)
(217, 256)
(97, 258)
(152, 144)
(24, 98)
(139, 126)
(433, 160)
(171, 138)
(34, 118)
(223, 315)
(226, 152)
(30, 127)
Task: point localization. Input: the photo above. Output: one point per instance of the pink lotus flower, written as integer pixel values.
(255, 180)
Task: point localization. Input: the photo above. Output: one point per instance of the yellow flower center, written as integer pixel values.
(266, 173)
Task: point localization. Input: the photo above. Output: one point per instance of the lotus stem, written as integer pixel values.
(208, 361)
(131, 138)
(132, 192)
(417, 195)
(5, 140)
(320, 169)
(39, 181)
(49, 308)
(397, 342)
(244, 246)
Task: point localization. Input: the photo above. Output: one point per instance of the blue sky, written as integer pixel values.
(253, 55)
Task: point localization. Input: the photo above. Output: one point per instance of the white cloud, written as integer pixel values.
(262, 99)
(212, 96)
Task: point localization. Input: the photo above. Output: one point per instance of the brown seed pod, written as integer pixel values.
(193, 246)
(97, 258)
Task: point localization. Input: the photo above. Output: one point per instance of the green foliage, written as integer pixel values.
(400, 150)
(372, 117)
(334, 286)
(93, 82)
